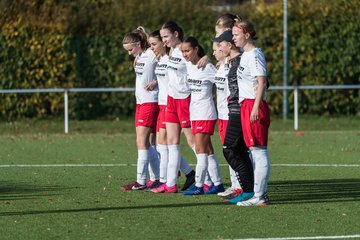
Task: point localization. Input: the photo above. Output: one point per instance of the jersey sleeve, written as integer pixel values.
(211, 72)
(258, 64)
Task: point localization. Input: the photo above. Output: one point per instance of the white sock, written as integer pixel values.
(164, 159)
(184, 166)
(261, 164)
(213, 169)
(208, 180)
(142, 166)
(201, 169)
(234, 182)
(154, 167)
(173, 165)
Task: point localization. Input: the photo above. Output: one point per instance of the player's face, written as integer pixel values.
(168, 37)
(157, 46)
(217, 53)
(238, 37)
(224, 48)
(133, 49)
(189, 53)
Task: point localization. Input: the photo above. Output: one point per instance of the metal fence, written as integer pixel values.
(66, 92)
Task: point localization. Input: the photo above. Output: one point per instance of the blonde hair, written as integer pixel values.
(139, 35)
(246, 26)
(225, 21)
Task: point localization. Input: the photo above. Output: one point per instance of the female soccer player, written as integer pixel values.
(161, 51)
(222, 95)
(147, 109)
(177, 116)
(255, 114)
(223, 23)
(234, 148)
(203, 117)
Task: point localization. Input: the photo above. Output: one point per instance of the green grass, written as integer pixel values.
(125, 125)
(85, 202)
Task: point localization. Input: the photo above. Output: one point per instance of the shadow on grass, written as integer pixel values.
(18, 191)
(314, 191)
(281, 192)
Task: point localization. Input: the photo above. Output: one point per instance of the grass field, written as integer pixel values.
(53, 186)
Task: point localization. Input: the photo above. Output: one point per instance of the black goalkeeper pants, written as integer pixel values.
(237, 154)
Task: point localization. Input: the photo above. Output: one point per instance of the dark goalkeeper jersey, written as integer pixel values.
(233, 103)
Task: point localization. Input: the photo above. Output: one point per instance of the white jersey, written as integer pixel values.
(201, 81)
(222, 91)
(145, 73)
(252, 64)
(163, 79)
(176, 70)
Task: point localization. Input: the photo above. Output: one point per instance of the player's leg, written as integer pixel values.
(201, 145)
(256, 137)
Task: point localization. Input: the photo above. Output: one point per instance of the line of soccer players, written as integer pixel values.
(174, 82)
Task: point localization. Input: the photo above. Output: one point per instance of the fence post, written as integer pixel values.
(66, 110)
(296, 110)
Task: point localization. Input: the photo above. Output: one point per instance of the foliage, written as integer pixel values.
(62, 44)
(323, 39)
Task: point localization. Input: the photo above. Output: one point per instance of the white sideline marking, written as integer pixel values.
(134, 165)
(314, 165)
(304, 238)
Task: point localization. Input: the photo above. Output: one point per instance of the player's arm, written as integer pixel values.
(254, 116)
(151, 85)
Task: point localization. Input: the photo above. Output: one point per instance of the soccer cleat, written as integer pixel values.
(190, 180)
(242, 197)
(165, 189)
(255, 201)
(215, 189)
(207, 187)
(194, 190)
(149, 183)
(133, 186)
(227, 192)
(234, 193)
(159, 189)
(155, 184)
(172, 189)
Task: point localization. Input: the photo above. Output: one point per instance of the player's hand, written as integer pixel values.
(203, 61)
(254, 116)
(151, 85)
(217, 66)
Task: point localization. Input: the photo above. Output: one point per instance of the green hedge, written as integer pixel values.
(60, 44)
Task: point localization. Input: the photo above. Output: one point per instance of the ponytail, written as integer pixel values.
(139, 35)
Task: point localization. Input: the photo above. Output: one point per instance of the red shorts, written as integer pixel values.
(178, 111)
(161, 118)
(203, 126)
(222, 125)
(255, 134)
(146, 115)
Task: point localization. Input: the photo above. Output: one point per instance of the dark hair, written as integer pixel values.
(156, 34)
(173, 27)
(194, 43)
(138, 35)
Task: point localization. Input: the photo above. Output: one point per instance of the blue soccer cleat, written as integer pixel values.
(215, 189)
(194, 190)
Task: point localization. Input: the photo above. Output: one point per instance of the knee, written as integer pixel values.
(142, 143)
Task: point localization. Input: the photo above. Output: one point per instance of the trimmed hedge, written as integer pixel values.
(61, 44)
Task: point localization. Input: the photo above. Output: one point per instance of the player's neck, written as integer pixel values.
(233, 54)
